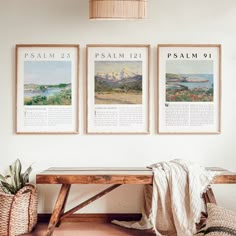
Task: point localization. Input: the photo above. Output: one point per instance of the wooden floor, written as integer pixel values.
(89, 229)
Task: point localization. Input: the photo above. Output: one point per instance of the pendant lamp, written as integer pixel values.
(117, 9)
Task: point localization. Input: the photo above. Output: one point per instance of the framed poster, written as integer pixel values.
(189, 88)
(47, 88)
(118, 89)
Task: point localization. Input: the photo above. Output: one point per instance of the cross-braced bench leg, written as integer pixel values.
(208, 197)
(59, 208)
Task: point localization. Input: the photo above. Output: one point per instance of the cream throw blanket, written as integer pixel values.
(173, 204)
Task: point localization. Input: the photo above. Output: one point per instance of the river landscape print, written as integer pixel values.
(189, 81)
(118, 82)
(47, 83)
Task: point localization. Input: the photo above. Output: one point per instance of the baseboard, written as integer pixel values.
(102, 218)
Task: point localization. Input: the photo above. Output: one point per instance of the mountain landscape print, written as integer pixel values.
(189, 81)
(118, 82)
(47, 83)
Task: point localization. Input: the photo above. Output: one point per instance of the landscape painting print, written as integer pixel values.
(117, 89)
(189, 85)
(47, 83)
(189, 81)
(47, 88)
(118, 82)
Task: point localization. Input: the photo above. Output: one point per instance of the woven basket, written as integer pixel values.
(18, 213)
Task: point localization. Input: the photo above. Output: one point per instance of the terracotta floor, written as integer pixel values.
(89, 229)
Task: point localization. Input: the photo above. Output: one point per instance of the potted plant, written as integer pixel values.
(18, 201)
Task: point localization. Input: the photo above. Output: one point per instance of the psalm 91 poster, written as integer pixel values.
(189, 79)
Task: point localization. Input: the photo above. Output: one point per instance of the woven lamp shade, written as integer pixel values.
(117, 9)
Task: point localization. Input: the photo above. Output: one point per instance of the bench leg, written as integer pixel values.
(208, 197)
(58, 208)
(63, 208)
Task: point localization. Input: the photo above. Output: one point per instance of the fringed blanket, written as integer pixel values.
(174, 203)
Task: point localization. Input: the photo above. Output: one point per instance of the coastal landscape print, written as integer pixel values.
(118, 82)
(189, 81)
(47, 83)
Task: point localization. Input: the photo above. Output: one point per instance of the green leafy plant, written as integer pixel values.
(15, 180)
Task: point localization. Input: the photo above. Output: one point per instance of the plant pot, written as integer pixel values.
(18, 213)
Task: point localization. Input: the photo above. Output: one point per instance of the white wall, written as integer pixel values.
(169, 21)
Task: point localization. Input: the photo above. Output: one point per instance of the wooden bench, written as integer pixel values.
(112, 176)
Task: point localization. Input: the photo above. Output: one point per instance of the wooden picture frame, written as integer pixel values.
(189, 88)
(47, 81)
(117, 89)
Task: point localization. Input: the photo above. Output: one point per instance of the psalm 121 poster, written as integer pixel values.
(118, 89)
